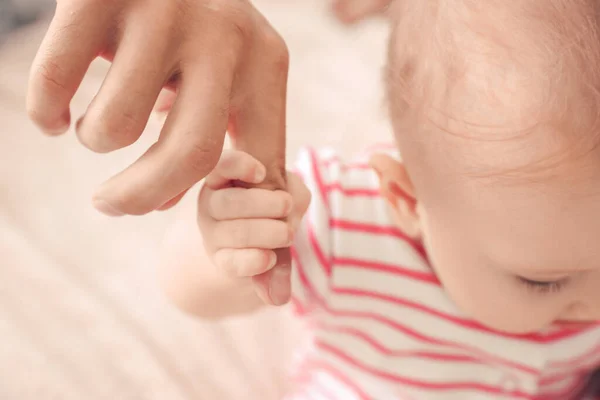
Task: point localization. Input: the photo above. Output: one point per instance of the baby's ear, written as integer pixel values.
(397, 188)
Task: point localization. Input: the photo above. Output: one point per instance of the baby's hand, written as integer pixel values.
(241, 227)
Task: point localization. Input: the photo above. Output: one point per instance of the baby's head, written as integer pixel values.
(496, 109)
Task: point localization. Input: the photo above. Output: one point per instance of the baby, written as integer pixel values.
(467, 269)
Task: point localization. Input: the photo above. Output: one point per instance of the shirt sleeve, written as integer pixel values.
(312, 247)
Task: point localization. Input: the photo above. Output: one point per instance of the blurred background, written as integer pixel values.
(81, 315)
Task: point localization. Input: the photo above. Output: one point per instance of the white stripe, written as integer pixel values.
(317, 219)
(421, 369)
(480, 342)
(360, 209)
(382, 389)
(376, 248)
(386, 336)
(356, 179)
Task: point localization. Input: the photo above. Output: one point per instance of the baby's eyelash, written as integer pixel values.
(544, 287)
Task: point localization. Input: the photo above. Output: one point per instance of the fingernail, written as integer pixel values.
(272, 260)
(106, 209)
(279, 286)
(289, 207)
(261, 293)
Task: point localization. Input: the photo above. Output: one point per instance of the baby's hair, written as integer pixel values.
(536, 60)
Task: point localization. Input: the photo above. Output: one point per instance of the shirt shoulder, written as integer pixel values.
(348, 223)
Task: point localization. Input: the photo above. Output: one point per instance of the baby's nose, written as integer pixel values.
(581, 312)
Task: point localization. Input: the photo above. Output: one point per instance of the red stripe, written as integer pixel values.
(338, 375)
(394, 269)
(485, 357)
(396, 353)
(306, 283)
(314, 243)
(418, 383)
(378, 230)
(351, 192)
(466, 323)
(299, 306)
(318, 178)
(331, 161)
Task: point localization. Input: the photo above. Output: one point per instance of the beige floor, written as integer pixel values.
(80, 314)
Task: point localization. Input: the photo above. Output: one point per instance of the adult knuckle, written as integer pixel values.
(241, 26)
(122, 127)
(276, 50)
(113, 128)
(233, 20)
(51, 77)
(238, 18)
(200, 158)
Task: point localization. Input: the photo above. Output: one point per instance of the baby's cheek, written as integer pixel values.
(488, 296)
(493, 300)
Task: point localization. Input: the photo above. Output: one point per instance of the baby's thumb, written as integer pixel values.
(275, 285)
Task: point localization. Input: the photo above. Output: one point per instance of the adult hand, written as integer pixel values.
(351, 11)
(227, 65)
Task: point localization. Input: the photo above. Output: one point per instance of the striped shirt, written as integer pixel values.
(383, 326)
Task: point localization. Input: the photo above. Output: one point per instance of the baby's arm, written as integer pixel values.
(208, 260)
(189, 278)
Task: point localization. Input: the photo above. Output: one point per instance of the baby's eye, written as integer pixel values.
(544, 287)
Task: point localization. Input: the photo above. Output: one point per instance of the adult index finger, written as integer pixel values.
(258, 118)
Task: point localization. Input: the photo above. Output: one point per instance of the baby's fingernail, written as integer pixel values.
(290, 241)
(279, 286)
(289, 207)
(261, 293)
(259, 174)
(107, 209)
(272, 260)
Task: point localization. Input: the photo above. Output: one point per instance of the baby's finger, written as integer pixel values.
(165, 101)
(240, 263)
(235, 166)
(251, 233)
(239, 203)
